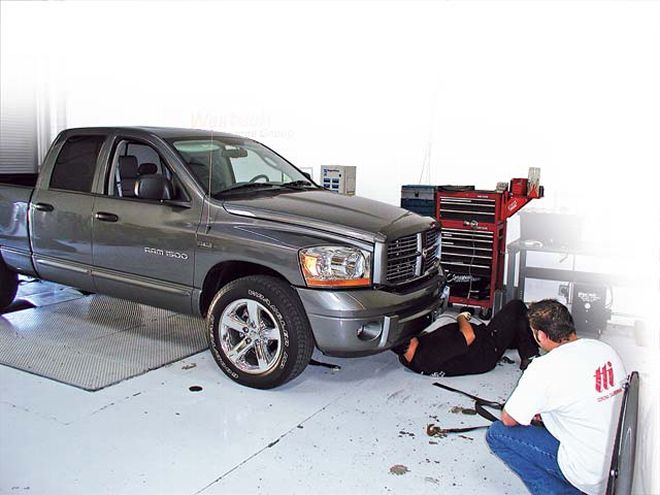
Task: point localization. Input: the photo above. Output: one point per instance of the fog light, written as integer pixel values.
(370, 331)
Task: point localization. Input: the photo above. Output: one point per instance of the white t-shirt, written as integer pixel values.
(577, 389)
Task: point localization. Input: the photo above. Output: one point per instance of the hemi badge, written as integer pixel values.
(204, 244)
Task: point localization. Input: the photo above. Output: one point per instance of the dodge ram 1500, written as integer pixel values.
(223, 227)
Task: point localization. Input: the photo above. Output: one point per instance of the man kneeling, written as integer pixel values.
(575, 389)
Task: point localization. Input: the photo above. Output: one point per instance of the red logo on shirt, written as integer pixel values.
(604, 377)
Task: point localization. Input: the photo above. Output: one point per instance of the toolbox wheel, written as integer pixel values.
(8, 285)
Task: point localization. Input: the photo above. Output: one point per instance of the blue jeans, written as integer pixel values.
(531, 452)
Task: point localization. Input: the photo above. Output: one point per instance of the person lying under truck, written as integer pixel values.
(576, 388)
(462, 348)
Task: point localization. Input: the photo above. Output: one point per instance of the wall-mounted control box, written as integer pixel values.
(338, 178)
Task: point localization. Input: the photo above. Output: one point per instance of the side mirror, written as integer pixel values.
(154, 187)
(309, 176)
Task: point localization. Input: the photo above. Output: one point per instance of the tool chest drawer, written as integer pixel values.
(467, 252)
(467, 209)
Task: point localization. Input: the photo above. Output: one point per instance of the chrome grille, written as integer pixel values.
(403, 246)
(431, 241)
(402, 259)
(412, 256)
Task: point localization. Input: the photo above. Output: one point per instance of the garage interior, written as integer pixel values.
(101, 395)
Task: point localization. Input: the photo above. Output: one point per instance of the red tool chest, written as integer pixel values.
(473, 224)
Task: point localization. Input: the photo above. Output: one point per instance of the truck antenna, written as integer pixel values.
(208, 199)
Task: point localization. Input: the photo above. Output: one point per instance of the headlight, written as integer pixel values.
(336, 266)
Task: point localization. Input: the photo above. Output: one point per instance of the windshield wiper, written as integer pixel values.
(298, 184)
(247, 185)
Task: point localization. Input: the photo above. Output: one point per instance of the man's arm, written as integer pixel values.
(465, 327)
(508, 420)
(529, 399)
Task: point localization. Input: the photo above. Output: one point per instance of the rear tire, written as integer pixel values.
(8, 285)
(259, 333)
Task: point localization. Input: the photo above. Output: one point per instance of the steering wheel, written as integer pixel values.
(260, 176)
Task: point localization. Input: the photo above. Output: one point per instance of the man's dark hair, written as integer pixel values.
(553, 318)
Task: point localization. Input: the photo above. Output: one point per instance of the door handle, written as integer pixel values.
(44, 207)
(106, 217)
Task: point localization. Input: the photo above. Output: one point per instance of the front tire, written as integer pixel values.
(8, 285)
(259, 332)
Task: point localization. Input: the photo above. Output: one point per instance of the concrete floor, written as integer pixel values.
(327, 432)
(360, 429)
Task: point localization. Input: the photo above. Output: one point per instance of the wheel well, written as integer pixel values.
(222, 274)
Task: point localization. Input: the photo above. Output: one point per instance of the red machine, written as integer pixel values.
(473, 226)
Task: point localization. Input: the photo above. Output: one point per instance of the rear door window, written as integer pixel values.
(75, 165)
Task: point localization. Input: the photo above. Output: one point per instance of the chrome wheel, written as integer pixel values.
(259, 334)
(250, 336)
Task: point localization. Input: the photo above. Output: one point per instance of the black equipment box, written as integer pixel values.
(419, 199)
(589, 309)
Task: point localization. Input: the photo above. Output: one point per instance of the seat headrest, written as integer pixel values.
(147, 169)
(128, 167)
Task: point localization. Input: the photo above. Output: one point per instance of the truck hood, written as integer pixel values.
(352, 216)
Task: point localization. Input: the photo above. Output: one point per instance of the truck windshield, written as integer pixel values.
(226, 165)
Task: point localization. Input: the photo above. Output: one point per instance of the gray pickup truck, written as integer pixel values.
(220, 226)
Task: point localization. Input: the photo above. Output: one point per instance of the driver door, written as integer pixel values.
(144, 250)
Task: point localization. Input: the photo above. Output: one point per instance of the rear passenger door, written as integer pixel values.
(61, 212)
(144, 250)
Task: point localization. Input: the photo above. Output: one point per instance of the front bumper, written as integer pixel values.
(362, 322)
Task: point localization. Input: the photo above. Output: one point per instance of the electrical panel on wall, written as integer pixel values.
(338, 178)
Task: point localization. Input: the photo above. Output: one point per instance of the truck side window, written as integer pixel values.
(132, 160)
(75, 165)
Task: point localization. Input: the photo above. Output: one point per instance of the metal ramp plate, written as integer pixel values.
(97, 341)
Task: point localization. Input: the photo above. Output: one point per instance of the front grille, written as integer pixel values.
(402, 259)
(412, 256)
(431, 240)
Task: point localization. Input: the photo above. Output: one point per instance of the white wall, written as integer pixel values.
(476, 91)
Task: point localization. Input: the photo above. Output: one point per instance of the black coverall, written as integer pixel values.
(445, 351)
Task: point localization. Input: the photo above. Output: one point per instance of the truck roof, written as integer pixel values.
(163, 132)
